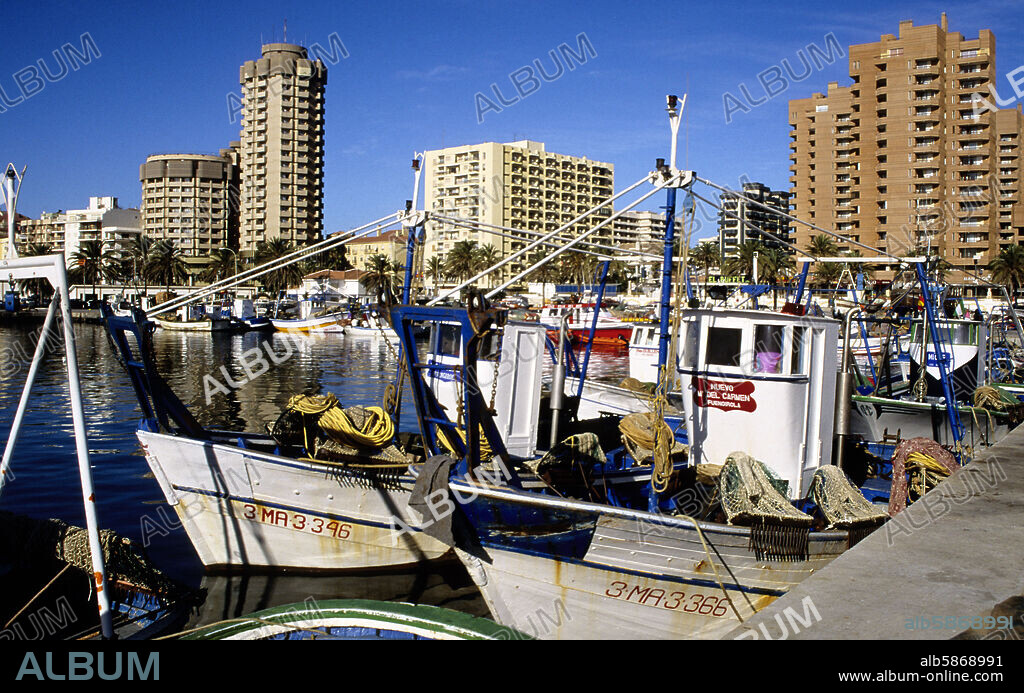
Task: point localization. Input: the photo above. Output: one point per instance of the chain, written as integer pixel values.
(500, 336)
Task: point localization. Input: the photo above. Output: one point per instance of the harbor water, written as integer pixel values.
(238, 382)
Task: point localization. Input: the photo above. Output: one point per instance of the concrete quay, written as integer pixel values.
(930, 573)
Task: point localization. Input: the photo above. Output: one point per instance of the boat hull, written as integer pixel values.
(872, 418)
(195, 325)
(324, 325)
(557, 569)
(245, 508)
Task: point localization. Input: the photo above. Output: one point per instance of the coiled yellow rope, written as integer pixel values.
(376, 432)
(312, 404)
(485, 449)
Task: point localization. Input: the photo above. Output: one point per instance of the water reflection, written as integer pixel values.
(46, 482)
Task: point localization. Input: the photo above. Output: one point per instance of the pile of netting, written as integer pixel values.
(638, 435)
(752, 495)
(330, 432)
(25, 540)
(568, 466)
(843, 505)
(925, 462)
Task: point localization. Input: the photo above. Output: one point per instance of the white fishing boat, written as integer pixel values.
(615, 566)
(312, 320)
(320, 324)
(203, 325)
(280, 500)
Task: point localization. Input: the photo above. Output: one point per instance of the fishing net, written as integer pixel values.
(24, 540)
(843, 505)
(568, 466)
(638, 436)
(925, 462)
(753, 495)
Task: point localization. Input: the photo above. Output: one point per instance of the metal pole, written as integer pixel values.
(558, 383)
(82, 447)
(29, 381)
(599, 299)
(666, 280)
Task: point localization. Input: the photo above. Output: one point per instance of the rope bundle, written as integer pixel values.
(926, 462)
(356, 426)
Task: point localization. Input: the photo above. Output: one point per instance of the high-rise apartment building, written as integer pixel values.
(739, 220)
(913, 155)
(517, 185)
(282, 147)
(192, 200)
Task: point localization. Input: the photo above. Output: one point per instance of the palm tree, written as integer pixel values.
(822, 245)
(435, 270)
(487, 256)
(545, 274)
(774, 264)
(380, 275)
(167, 263)
(462, 261)
(140, 252)
(743, 262)
(577, 268)
(223, 263)
(91, 264)
(1008, 269)
(283, 277)
(706, 256)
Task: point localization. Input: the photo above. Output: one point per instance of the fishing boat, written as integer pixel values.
(610, 331)
(586, 532)
(284, 499)
(320, 324)
(203, 325)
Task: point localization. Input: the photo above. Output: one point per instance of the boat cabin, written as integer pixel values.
(761, 383)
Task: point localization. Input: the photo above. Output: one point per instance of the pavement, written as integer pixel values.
(945, 567)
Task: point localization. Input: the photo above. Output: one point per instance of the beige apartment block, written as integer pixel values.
(517, 185)
(909, 157)
(191, 200)
(282, 147)
(390, 244)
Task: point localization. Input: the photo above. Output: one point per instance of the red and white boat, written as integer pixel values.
(611, 331)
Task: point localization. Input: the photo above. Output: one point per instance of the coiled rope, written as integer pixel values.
(376, 431)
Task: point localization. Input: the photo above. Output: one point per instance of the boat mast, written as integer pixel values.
(674, 110)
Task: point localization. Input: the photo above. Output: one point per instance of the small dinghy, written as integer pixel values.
(356, 619)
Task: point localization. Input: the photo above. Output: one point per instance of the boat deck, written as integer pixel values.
(949, 558)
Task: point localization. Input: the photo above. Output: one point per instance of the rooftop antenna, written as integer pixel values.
(286, 30)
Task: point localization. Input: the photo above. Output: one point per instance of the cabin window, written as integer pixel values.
(448, 342)
(723, 346)
(768, 348)
(690, 344)
(800, 344)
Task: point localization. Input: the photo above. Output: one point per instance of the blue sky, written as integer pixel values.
(165, 72)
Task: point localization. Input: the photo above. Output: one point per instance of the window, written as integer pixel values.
(723, 346)
(800, 342)
(768, 348)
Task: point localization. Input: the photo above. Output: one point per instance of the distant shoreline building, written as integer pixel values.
(282, 147)
(740, 221)
(518, 185)
(192, 200)
(102, 221)
(913, 156)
